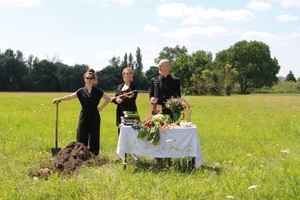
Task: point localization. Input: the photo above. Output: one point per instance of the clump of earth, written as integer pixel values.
(71, 159)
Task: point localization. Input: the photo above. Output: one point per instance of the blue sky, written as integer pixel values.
(93, 31)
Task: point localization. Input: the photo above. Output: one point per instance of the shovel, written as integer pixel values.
(56, 149)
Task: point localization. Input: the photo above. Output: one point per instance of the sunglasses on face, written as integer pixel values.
(89, 78)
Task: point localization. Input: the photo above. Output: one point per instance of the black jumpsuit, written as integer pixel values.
(88, 131)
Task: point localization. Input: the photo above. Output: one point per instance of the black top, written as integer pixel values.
(128, 104)
(89, 101)
(167, 87)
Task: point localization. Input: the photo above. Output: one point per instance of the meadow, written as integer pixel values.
(250, 146)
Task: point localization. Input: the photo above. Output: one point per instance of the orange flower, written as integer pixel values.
(176, 104)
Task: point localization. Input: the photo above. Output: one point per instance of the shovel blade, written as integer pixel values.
(55, 151)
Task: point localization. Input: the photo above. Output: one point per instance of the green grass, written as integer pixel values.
(251, 140)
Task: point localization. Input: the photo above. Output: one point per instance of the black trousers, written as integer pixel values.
(88, 132)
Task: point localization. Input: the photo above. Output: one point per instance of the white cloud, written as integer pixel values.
(259, 35)
(149, 52)
(287, 18)
(190, 32)
(295, 35)
(290, 3)
(173, 10)
(125, 2)
(109, 54)
(150, 28)
(198, 15)
(258, 5)
(68, 60)
(214, 15)
(22, 3)
(283, 39)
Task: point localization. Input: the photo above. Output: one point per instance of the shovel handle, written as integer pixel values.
(56, 126)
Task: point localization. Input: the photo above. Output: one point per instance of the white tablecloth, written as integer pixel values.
(174, 143)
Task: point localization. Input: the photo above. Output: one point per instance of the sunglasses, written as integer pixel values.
(89, 78)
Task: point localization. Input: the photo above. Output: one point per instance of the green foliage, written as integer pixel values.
(14, 73)
(111, 77)
(286, 87)
(289, 87)
(148, 129)
(253, 62)
(171, 53)
(250, 146)
(290, 77)
(243, 66)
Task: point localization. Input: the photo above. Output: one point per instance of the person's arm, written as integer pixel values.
(116, 100)
(153, 100)
(131, 99)
(65, 98)
(178, 92)
(106, 101)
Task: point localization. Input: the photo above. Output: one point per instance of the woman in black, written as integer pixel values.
(125, 104)
(88, 131)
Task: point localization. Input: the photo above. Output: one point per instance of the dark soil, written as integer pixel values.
(75, 155)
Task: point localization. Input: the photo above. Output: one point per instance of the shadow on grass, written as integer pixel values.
(183, 165)
(165, 165)
(212, 167)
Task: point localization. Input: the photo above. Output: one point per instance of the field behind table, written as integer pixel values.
(250, 146)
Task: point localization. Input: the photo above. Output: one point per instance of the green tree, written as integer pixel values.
(44, 76)
(76, 79)
(230, 75)
(70, 78)
(171, 53)
(14, 74)
(253, 62)
(187, 65)
(290, 77)
(139, 76)
(130, 61)
(139, 64)
(214, 82)
(124, 63)
(111, 75)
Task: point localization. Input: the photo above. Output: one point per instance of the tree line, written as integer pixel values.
(245, 66)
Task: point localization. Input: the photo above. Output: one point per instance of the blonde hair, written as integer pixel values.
(93, 74)
(127, 69)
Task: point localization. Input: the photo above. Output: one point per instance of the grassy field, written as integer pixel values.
(250, 146)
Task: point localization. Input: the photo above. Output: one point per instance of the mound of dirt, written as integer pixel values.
(75, 155)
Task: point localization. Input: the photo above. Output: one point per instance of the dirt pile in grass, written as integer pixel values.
(75, 155)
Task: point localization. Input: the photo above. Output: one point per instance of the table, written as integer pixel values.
(174, 143)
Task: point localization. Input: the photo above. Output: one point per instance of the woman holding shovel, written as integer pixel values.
(88, 131)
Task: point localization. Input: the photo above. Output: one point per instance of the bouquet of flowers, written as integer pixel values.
(176, 105)
(149, 128)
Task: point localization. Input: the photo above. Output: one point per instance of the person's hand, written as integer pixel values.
(118, 100)
(56, 101)
(153, 100)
